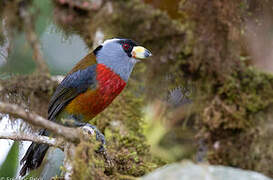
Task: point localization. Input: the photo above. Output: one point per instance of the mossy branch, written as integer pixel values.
(70, 134)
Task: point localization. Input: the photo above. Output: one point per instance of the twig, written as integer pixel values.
(70, 134)
(19, 136)
(4, 48)
(32, 39)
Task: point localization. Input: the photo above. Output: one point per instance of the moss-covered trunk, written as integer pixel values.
(232, 97)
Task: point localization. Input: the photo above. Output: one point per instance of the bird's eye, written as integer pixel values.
(126, 46)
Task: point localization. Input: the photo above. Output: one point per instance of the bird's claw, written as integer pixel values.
(88, 130)
(91, 130)
(102, 150)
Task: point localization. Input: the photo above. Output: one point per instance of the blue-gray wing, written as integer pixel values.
(72, 85)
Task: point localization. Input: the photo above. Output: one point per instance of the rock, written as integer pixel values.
(190, 171)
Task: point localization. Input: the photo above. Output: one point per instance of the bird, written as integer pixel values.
(87, 90)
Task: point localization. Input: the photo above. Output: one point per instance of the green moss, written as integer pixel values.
(122, 124)
(87, 164)
(28, 91)
(233, 118)
(250, 89)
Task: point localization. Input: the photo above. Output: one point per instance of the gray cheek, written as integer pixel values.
(116, 59)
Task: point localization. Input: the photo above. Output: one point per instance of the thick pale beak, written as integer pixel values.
(140, 52)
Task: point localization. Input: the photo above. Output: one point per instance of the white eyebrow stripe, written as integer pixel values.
(109, 40)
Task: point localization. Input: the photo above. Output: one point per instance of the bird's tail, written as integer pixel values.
(34, 155)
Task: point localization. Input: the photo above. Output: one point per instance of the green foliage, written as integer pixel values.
(44, 11)
(10, 165)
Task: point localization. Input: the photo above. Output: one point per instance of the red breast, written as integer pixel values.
(93, 101)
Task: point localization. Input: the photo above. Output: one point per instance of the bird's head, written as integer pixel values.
(120, 55)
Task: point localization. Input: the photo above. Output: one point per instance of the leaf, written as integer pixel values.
(10, 165)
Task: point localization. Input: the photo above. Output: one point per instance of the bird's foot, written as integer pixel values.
(92, 130)
(88, 130)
